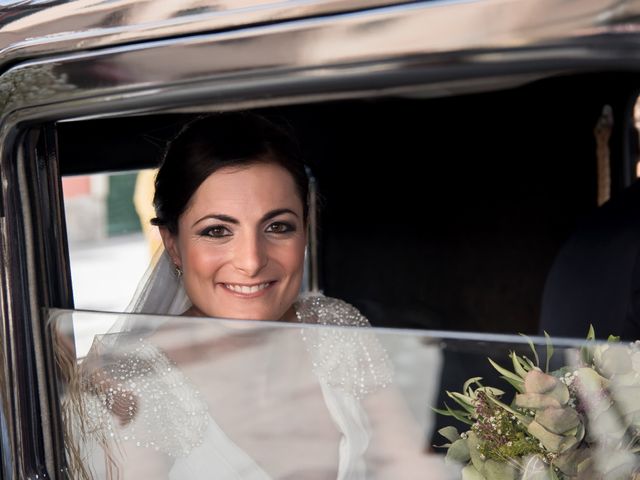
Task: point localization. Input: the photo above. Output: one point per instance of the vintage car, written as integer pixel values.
(474, 165)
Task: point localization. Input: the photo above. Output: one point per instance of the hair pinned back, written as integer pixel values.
(217, 141)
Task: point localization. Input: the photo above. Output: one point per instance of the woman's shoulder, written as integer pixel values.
(135, 394)
(321, 310)
(351, 361)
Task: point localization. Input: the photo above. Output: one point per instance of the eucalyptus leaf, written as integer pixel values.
(533, 349)
(459, 415)
(538, 382)
(615, 360)
(470, 473)
(474, 444)
(585, 350)
(450, 433)
(535, 401)
(550, 441)
(462, 400)
(517, 384)
(517, 365)
(499, 470)
(558, 420)
(496, 392)
(470, 382)
(458, 453)
(441, 411)
(569, 462)
(503, 371)
(530, 364)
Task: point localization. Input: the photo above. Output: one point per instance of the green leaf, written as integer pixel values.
(533, 349)
(470, 382)
(441, 411)
(496, 392)
(518, 364)
(549, 350)
(539, 382)
(530, 364)
(450, 433)
(585, 350)
(459, 415)
(551, 441)
(474, 451)
(536, 401)
(613, 338)
(499, 470)
(458, 452)
(463, 401)
(518, 385)
(505, 372)
(470, 473)
(558, 420)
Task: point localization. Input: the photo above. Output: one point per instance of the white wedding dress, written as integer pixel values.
(151, 404)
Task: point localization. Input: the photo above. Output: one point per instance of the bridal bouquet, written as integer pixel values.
(578, 422)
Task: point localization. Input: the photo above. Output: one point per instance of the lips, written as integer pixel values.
(247, 289)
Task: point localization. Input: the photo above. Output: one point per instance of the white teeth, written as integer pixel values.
(246, 289)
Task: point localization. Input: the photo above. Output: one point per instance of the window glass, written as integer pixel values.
(178, 397)
(110, 237)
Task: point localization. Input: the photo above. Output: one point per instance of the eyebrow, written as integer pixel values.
(229, 219)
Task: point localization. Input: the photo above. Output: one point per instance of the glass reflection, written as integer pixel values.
(177, 397)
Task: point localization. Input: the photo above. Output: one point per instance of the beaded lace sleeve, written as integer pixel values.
(351, 360)
(137, 395)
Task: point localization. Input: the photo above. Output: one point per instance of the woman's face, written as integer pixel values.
(241, 242)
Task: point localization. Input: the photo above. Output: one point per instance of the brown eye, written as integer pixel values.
(280, 227)
(217, 231)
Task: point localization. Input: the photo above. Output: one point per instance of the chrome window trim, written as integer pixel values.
(33, 28)
(390, 50)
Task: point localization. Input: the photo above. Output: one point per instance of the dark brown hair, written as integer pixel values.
(217, 141)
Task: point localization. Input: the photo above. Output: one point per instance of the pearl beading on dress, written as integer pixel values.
(139, 387)
(350, 360)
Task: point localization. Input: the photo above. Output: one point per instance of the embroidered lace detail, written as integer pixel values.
(351, 360)
(140, 396)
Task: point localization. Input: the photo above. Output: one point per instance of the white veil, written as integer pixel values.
(160, 291)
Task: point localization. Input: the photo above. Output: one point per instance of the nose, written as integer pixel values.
(250, 254)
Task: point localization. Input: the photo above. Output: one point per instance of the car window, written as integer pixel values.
(175, 397)
(109, 236)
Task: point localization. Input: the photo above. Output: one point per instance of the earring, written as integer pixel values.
(178, 271)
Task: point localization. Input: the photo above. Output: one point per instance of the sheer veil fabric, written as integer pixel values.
(347, 364)
(160, 291)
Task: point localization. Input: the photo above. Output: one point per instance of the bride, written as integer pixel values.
(231, 206)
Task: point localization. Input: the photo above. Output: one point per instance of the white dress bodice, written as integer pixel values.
(180, 412)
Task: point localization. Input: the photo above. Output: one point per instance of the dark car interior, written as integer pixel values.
(435, 213)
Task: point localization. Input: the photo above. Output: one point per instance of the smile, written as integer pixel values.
(247, 289)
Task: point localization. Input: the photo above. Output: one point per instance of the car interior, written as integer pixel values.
(435, 212)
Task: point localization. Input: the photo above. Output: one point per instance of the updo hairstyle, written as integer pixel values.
(217, 141)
